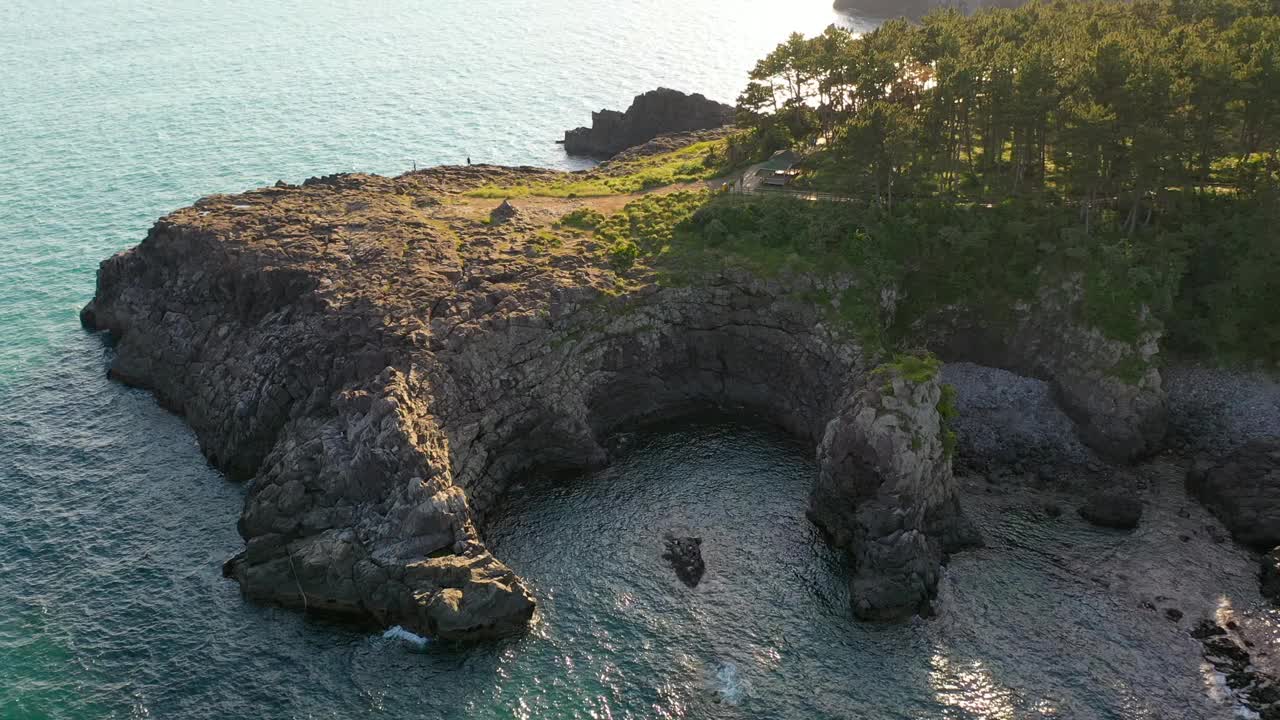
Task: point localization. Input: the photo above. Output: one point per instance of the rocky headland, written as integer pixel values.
(654, 113)
(381, 356)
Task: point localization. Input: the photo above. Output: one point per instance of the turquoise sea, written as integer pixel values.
(113, 528)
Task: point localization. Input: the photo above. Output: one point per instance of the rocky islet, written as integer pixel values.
(652, 114)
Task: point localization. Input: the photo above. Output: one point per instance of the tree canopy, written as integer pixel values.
(1129, 106)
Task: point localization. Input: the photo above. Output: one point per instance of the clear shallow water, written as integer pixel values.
(113, 528)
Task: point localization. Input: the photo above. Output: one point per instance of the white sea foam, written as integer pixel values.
(728, 685)
(399, 633)
(1220, 692)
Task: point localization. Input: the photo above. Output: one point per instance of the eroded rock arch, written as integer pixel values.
(377, 426)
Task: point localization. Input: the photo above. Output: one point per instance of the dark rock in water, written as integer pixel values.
(503, 213)
(1112, 510)
(1227, 649)
(654, 113)
(1266, 694)
(1207, 629)
(685, 556)
(1269, 575)
(1052, 510)
(1239, 679)
(1243, 491)
(1173, 614)
(1229, 656)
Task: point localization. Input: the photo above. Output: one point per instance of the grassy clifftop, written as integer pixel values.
(1207, 277)
(1129, 148)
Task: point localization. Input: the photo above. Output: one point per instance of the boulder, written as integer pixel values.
(1112, 510)
(504, 212)
(1243, 491)
(654, 113)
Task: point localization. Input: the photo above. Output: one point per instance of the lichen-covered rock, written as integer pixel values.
(885, 491)
(1243, 491)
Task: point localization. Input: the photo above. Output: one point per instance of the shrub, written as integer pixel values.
(583, 219)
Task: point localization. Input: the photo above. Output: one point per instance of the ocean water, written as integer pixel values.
(113, 528)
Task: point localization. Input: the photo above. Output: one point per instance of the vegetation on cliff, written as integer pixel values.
(1136, 107)
(1133, 148)
(699, 161)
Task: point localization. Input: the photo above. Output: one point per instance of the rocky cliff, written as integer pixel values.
(885, 492)
(381, 355)
(657, 112)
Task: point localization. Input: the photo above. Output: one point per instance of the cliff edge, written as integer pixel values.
(381, 355)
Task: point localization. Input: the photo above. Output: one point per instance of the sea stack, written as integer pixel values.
(657, 112)
(885, 491)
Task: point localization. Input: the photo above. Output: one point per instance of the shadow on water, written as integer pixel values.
(767, 631)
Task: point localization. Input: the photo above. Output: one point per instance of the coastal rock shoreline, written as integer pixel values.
(381, 362)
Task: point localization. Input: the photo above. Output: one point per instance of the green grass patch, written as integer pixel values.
(947, 403)
(582, 219)
(1130, 369)
(647, 226)
(912, 368)
(696, 162)
(1208, 274)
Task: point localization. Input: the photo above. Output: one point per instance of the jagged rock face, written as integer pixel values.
(1121, 418)
(380, 363)
(1243, 490)
(886, 494)
(654, 113)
